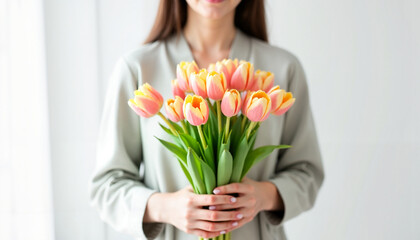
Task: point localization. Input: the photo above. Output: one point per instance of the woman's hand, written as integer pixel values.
(184, 209)
(253, 197)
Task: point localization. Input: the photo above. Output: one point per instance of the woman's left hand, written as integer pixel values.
(253, 197)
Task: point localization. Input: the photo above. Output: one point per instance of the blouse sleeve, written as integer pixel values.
(116, 189)
(299, 172)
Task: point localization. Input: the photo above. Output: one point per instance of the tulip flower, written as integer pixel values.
(243, 77)
(196, 110)
(258, 106)
(173, 109)
(245, 97)
(176, 89)
(183, 72)
(231, 66)
(263, 80)
(212, 67)
(231, 103)
(281, 101)
(198, 83)
(216, 85)
(147, 101)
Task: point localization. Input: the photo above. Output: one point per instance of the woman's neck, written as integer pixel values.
(210, 40)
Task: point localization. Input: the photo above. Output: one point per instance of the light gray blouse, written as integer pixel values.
(120, 193)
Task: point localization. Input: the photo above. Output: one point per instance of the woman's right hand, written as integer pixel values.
(185, 210)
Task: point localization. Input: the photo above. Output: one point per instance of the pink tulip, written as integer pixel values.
(231, 103)
(183, 72)
(258, 106)
(228, 69)
(173, 109)
(245, 97)
(281, 101)
(216, 85)
(198, 83)
(263, 80)
(221, 68)
(196, 110)
(147, 101)
(176, 89)
(243, 77)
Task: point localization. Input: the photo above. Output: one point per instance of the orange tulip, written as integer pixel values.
(198, 83)
(263, 80)
(216, 85)
(173, 109)
(258, 106)
(183, 72)
(147, 101)
(281, 101)
(196, 110)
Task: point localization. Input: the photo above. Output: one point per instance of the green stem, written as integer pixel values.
(203, 141)
(251, 126)
(184, 127)
(243, 122)
(168, 123)
(227, 128)
(219, 117)
(210, 105)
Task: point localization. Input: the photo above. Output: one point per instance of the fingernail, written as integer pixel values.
(216, 191)
(239, 216)
(222, 232)
(233, 199)
(235, 224)
(212, 207)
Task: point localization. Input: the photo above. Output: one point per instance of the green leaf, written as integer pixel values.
(209, 177)
(239, 159)
(167, 130)
(176, 126)
(194, 168)
(189, 141)
(259, 154)
(178, 151)
(236, 134)
(187, 174)
(224, 168)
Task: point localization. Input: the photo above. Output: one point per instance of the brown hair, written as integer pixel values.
(172, 16)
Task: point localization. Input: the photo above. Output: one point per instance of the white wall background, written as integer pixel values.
(362, 60)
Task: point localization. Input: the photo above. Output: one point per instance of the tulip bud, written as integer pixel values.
(245, 97)
(183, 72)
(281, 101)
(243, 77)
(173, 109)
(147, 101)
(231, 103)
(230, 67)
(216, 85)
(196, 110)
(212, 67)
(198, 83)
(258, 106)
(263, 80)
(176, 89)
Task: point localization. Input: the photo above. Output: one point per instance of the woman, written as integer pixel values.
(160, 204)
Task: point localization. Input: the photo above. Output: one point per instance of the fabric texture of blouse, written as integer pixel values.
(120, 193)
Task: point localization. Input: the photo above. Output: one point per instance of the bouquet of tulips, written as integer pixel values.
(214, 118)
